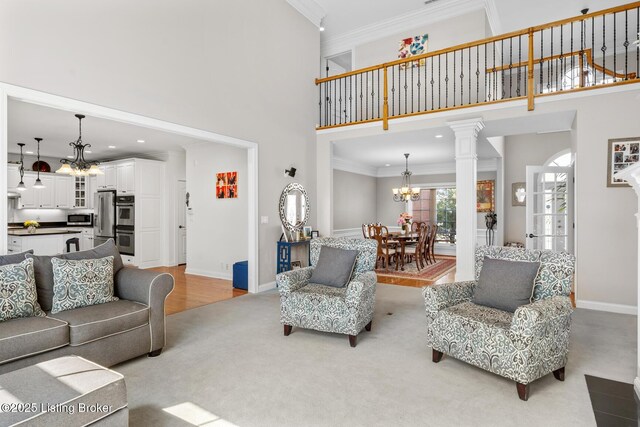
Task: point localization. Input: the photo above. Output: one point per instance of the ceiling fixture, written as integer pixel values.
(38, 183)
(112, 146)
(438, 136)
(79, 166)
(406, 192)
(321, 28)
(141, 141)
(21, 186)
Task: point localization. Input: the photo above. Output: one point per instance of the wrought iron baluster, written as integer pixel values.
(572, 56)
(561, 65)
(551, 76)
(478, 72)
(446, 80)
(549, 65)
(626, 44)
(439, 80)
(406, 95)
(425, 83)
(469, 76)
(373, 95)
(433, 105)
(454, 78)
(487, 89)
(604, 49)
(366, 98)
(399, 91)
(360, 95)
(494, 85)
(503, 91)
(320, 105)
(419, 86)
(378, 87)
(412, 73)
(393, 90)
(340, 99)
(510, 66)
(519, 72)
(461, 76)
(541, 60)
(615, 64)
(593, 51)
(350, 98)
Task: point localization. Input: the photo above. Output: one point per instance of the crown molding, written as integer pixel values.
(434, 12)
(484, 165)
(354, 167)
(309, 9)
(493, 17)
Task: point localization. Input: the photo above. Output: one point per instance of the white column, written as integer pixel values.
(466, 132)
(632, 175)
(324, 185)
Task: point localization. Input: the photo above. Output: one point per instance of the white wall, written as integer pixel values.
(354, 198)
(444, 34)
(522, 151)
(186, 63)
(216, 228)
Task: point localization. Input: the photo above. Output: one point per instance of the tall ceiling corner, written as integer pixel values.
(309, 9)
(492, 16)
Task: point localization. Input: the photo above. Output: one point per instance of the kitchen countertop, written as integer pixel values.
(23, 232)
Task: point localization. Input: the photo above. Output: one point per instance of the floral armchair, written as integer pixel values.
(340, 310)
(522, 346)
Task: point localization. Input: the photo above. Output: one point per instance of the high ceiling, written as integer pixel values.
(346, 16)
(58, 128)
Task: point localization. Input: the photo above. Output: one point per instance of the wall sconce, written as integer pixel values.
(290, 172)
(518, 194)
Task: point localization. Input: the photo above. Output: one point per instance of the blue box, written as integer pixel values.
(241, 275)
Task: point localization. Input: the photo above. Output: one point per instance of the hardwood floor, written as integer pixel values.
(193, 291)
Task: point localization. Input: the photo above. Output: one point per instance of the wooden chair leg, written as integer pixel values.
(436, 355)
(523, 391)
(368, 326)
(287, 330)
(353, 340)
(559, 374)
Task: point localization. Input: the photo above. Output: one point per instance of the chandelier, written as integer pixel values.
(406, 192)
(79, 166)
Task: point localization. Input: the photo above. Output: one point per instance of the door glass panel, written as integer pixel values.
(549, 219)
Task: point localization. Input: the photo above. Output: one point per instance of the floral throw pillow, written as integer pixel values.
(18, 296)
(81, 283)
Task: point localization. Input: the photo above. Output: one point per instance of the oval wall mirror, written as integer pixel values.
(294, 207)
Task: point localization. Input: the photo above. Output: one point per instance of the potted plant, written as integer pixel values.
(32, 226)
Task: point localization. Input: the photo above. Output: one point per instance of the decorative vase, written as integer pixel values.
(32, 229)
(405, 227)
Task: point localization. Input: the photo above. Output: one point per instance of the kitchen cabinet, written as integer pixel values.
(107, 181)
(92, 188)
(46, 196)
(63, 191)
(13, 177)
(86, 241)
(80, 192)
(48, 244)
(125, 178)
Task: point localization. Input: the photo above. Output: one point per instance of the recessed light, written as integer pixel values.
(141, 141)
(438, 136)
(69, 157)
(88, 151)
(29, 152)
(112, 146)
(387, 164)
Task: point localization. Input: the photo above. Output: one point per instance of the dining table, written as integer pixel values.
(403, 237)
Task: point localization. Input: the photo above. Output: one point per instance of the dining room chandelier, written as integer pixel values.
(406, 192)
(79, 166)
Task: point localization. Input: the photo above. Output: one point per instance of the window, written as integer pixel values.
(421, 209)
(446, 214)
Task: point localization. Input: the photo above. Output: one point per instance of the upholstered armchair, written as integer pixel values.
(344, 310)
(522, 346)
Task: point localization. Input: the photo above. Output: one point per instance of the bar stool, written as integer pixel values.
(73, 241)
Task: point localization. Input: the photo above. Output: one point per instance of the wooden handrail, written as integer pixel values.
(500, 37)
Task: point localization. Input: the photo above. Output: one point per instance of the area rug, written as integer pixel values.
(229, 363)
(431, 272)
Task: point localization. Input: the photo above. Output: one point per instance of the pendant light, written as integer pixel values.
(406, 192)
(79, 166)
(38, 184)
(21, 186)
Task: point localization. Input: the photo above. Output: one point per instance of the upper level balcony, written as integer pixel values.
(590, 51)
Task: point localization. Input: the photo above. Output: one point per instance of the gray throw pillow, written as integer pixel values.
(81, 283)
(334, 267)
(44, 272)
(505, 285)
(18, 297)
(14, 258)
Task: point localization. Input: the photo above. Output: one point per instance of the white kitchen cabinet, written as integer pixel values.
(47, 244)
(63, 191)
(13, 177)
(92, 188)
(86, 241)
(28, 197)
(46, 196)
(125, 178)
(107, 181)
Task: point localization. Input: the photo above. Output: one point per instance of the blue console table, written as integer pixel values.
(284, 254)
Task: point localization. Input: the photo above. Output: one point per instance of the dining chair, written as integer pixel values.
(365, 230)
(427, 245)
(417, 252)
(387, 249)
(434, 232)
(415, 226)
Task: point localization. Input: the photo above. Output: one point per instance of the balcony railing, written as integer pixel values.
(590, 51)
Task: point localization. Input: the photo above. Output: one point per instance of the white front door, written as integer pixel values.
(549, 203)
(181, 235)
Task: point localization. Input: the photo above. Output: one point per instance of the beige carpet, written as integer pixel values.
(230, 363)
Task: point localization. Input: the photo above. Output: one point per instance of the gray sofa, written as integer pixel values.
(106, 334)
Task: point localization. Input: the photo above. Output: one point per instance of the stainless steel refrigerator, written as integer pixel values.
(105, 217)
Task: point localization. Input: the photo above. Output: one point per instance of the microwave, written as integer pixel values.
(80, 219)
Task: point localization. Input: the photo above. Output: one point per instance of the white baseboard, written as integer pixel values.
(266, 286)
(605, 306)
(213, 274)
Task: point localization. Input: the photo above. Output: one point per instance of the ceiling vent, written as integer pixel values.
(430, 1)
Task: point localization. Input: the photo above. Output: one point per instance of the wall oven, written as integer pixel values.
(125, 211)
(125, 240)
